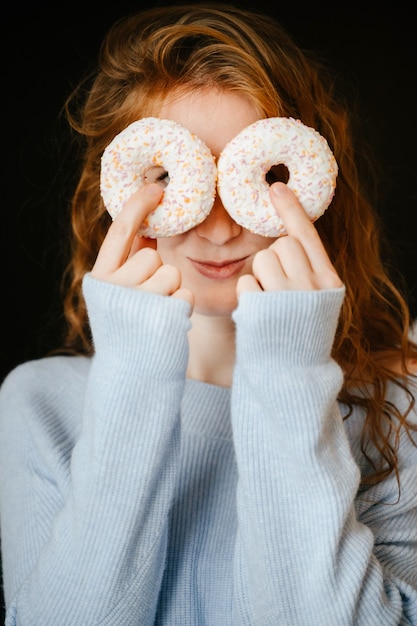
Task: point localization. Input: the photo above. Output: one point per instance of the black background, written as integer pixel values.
(46, 49)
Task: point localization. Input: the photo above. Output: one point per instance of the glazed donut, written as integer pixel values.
(246, 159)
(150, 147)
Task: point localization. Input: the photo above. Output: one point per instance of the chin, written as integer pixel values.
(213, 299)
(220, 308)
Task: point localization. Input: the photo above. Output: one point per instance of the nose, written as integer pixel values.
(218, 227)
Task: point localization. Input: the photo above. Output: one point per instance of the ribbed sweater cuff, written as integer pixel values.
(132, 326)
(287, 327)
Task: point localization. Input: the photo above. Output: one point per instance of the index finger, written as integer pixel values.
(297, 223)
(118, 242)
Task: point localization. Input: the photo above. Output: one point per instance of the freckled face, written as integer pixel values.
(214, 254)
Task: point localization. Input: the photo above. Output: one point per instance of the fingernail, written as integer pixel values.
(153, 189)
(278, 189)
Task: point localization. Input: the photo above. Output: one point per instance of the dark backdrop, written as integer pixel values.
(44, 52)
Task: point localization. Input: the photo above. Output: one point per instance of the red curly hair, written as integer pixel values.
(146, 55)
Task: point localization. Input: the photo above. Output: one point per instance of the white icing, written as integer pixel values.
(150, 143)
(247, 158)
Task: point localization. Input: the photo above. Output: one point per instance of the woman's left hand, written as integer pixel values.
(297, 261)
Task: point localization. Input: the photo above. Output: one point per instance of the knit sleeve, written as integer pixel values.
(309, 548)
(82, 528)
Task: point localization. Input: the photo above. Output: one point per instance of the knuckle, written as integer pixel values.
(260, 258)
(172, 273)
(119, 229)
(332, 279)
(149, 256)
(285, 244)
(264, 254)
(306, 230)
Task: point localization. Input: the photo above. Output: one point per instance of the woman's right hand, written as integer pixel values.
(125, 258)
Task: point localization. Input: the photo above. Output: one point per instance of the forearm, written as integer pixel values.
(300, 541)
(107, 536)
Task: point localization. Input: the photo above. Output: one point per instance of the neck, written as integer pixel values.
(212, 349)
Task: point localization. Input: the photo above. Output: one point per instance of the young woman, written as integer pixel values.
(231, 436)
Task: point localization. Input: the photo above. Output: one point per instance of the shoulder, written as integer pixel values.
(44, 392)
(49, 374)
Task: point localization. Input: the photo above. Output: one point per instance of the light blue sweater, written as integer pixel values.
(132, 496)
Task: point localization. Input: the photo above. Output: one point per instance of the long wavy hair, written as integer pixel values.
(146, 55)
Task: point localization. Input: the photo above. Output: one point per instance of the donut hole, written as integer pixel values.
(277, 174)
(157, 174)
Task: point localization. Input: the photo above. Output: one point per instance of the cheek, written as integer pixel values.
(168, 248)
(258, 242)
(265, 242)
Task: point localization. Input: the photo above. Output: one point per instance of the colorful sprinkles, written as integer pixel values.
(240, 174)
(151, 143)
(246, 159)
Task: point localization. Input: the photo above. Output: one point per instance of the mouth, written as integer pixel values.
(219, 270)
